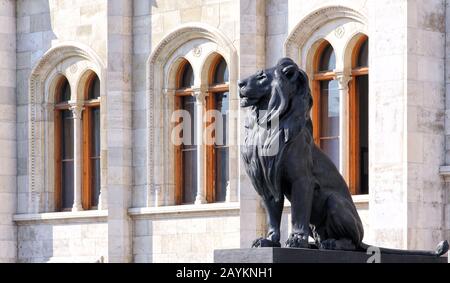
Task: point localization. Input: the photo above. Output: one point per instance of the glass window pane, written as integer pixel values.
(188, 104)
(67, 184)
(94, 88)
(329, 109)
(221, 73)
(64, 92)
(222, 105)
(362, 83)
(331, 149)
(189, 174)
(221, 152)
(95, 182)
(222, 173)
(189, 154)
(328, 59)
(95, 156)
(363, 56)
(67, 134)
(96, 132)
(187, 78)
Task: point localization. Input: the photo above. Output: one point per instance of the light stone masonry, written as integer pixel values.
(136, 46)
(8, 137)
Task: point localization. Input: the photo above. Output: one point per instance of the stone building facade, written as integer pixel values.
(136, 51)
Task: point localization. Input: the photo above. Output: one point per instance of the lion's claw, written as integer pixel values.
(296, 240)
(265, 243)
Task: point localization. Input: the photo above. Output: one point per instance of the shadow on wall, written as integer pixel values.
(62, 242)
(34, 37)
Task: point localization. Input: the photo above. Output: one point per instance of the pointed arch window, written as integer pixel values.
(186, 153)
(326, 109)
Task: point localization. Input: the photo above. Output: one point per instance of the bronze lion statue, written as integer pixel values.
(282, 161)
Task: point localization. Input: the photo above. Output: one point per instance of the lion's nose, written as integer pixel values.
(241, 84)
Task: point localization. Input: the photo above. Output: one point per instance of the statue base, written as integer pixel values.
(290, 255)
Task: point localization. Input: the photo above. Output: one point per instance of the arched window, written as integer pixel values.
(91, 143)
(217, 154)
(64, 147)
(359, 118)
(186, 153)
(326, 110)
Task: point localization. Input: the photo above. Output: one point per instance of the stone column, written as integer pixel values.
(119, 129)
(198, 132)
(77, 111)
(8, 130)
(343, 78)
(252, 57)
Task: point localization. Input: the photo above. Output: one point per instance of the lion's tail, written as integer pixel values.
(440, 250)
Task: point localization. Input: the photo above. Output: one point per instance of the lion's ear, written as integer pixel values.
(291, 72)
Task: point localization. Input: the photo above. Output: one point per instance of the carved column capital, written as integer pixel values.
(343, 79)
(200, 95)
(77, 110)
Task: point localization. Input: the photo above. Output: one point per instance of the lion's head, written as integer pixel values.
(280, 90)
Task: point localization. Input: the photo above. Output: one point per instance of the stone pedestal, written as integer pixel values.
(287, 255)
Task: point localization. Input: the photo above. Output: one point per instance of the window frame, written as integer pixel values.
(354, 126)
(213, 89)
(59, 107)
(180, 92)
(87, 177)
(318, 77)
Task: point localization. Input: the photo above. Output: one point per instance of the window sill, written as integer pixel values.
(60, 216)
(191, 209)
(360, 199)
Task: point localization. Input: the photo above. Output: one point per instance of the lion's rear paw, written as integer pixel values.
(297, 241)
(265, 243)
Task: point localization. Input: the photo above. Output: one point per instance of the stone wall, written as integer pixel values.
(42, 24)
(445, 170)
(51, 238)
(8, 146)
(118, 120)
(276, 30)
(425, 123)
(252, 57)
(388, 47)
(184, 234)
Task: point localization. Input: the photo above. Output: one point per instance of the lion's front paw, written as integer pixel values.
(296, 240)
(265, 243)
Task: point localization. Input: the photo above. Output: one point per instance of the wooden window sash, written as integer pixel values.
(210, 167)
(87, 138)
(354, 123)
(87, 146)
(325, 76)
(58, 159)
(178, 155)
(362, 71)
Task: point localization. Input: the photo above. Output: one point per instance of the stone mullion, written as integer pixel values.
(199, 130)
(77, 112)
(343, 79)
